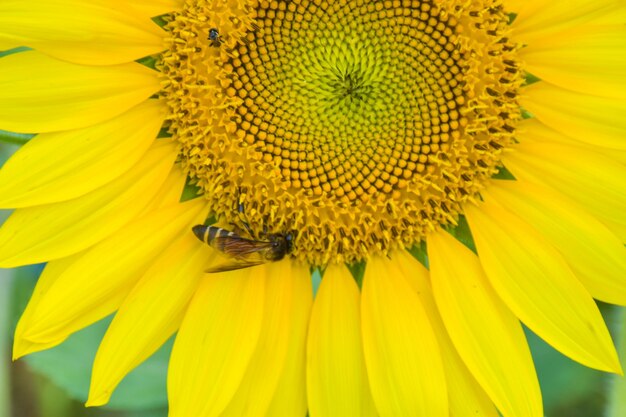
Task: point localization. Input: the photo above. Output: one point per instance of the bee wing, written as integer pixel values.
(233, 265)
(241, 253)
(240, 247)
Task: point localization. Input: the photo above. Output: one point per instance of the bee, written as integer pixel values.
(243, 252)
(214, 37)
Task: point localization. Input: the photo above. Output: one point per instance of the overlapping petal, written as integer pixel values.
(46, 280)
(290, 395)
(537, 131)
(288, 299)
(94, 32)
(216, 342)
(588, 118)
(485, 333)
(149, 315)
(42, 94)
(585, 61)
(96, 282)
(84, 159)
(537, 20)
(596, 255)
(401, 352)
(536, 283)
(336, 375)
(464, 394)
(156, 7)
(52, 231)
(593, 180)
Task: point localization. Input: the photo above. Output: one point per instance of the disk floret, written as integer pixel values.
(360, 125)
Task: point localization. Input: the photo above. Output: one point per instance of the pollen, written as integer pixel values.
(359, 126)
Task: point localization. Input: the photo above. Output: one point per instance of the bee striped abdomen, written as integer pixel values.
(213, 235)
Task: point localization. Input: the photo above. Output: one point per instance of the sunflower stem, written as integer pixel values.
(14, 138)
(6, 281)
(617, 383)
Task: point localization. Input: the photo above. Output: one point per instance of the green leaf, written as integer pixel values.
(420, 252)
(503, 174)
(316, 279)
(190, 191)
(148, 61)
(463, 234)
(531, 79)
(65, 370)
(7, 277)
(69, 367)
(13, 51)
(15, 138)
(25, 280)
(617, 385)
(358, 271)
(568, 388)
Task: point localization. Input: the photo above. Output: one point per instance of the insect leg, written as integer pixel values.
(242, 214)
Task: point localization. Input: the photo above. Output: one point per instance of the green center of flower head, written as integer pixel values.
(358, 126)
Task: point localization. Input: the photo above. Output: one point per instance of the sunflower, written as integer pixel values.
(483, 137)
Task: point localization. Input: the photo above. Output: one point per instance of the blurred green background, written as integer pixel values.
(54, 383)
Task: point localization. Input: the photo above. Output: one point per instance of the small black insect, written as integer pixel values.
(214, 37)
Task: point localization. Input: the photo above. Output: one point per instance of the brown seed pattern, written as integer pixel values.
(360, 125)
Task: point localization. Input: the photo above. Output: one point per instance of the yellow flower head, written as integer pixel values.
(361, 126)
(484, 137)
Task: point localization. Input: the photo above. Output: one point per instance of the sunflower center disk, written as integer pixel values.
(358, 125)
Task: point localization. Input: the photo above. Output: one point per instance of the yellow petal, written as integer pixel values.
(336, 376)
(170, 192)
(38, 234)
(535, 282)
(587, 118)
(283, 290)
(45, 281)
(150, 314)
(290, 395)
(465, 396)
(112, 267)
(538, 20)
(402, 356)
(7, 45)
(95, 32)
(485, 333)
(41, 94)
(593, 180)
(157, 7)
(589, 60)
(60, 166)
(596, 255)
(533, 130)
(618, 230)
(216, 341)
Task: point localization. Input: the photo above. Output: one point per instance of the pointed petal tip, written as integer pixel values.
(18, 352)
(98, 397)
(610, 365)
(22, 347)
(514, 255)
(615, 366)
